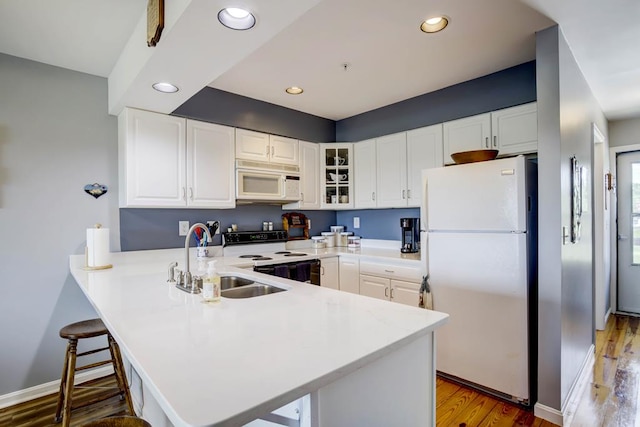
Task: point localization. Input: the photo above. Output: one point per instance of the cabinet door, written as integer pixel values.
(515, 130)
(210, 165)
(284, 150)
(336, 175)
(391, 171)
(252, 145)
(470, 133)
(309, 175)
(152, 159)
(405, 292)
(376, 287)
(424, 151)
(350, 275)
(329, 277)
(364, 153)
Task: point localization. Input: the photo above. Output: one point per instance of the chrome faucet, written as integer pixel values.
(187, 284)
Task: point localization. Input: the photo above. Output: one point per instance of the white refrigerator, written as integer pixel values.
(481, 260)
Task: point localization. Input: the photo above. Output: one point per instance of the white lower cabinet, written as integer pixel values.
(398, 283)
(329, 277)
(350, 275)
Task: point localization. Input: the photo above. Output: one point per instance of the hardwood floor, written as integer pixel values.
(611, 400)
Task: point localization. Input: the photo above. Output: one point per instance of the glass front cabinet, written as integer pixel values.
(336, 175)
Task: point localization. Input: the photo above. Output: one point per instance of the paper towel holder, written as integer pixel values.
(86, 258)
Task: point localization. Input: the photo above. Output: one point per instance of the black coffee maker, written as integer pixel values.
(410, 235)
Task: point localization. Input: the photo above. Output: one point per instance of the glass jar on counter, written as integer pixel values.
(343, 238)
(353, 242)
(318, 242)
(329, 238)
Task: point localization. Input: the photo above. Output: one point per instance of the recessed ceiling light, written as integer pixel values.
(294, 90)
(236, 18)
(435, 24)
(165, 87)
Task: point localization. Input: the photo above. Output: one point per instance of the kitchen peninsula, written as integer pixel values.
(364, 361)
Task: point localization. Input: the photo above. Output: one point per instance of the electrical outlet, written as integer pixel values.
(183, 228)
(215, 224)
(356, 222)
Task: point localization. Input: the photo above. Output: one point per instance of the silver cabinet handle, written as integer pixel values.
(389, 271)
(391, 293)
(386, 292)
(495, 142)
(273, 150)
(408, 194)
(267, 151)
(622, 237)
(403, 194)
(322, 270)
(486, 142)
(184, 194)
(373, 196)
(301, 195)
(190, 193)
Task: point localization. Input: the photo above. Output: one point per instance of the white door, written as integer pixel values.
(252, 145)
(376, 287)
(210, 165)
(470, 133)
(350, 275)
(309, 175)
(515, 130)
(487, 196)
(391, 170)
(406, 293)
(329, 277)
(628, 171)
(284, 150)
(424, 151)
(364, 153)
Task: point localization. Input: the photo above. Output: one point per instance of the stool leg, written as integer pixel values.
(71, 371)
(63, 381)
(121, 377)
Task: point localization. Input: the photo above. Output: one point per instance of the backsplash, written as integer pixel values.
(142, 229)
(382, 224)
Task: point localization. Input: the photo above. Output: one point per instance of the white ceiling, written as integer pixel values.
(390, 59)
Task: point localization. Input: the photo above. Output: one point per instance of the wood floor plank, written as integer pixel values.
(454, 407)
(444, 391)
(502, 414)
(476, 411)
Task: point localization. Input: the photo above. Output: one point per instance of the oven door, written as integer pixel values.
(307, 271)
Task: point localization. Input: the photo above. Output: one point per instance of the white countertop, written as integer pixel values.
(228, 363)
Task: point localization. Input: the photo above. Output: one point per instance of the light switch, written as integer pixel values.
(356, 222)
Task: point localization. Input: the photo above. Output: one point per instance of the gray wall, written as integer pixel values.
(217, 106)
(158, 228)
(566, 109)
(505, 88)
(55, 137)
(624, 132)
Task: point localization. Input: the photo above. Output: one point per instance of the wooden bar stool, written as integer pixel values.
(118, 422)
(73, 333)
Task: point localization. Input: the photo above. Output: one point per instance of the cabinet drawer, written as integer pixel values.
(402, 272)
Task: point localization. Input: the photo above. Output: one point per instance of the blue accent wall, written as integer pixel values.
(157, 228)
(377, 223)
(142, 229)
(505, 88)
(224, 108)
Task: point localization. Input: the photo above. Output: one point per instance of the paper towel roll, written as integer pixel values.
(97, 247)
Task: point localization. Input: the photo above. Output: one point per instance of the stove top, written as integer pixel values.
(282, 252)
(295, 254)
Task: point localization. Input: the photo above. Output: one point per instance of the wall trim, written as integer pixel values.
(606, 317)
(51, 387)
(548, 413)
(577, 389)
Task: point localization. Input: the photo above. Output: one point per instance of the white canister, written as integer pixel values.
(343, 238)
(318, 242)
(337, 228)
(353, 242)
(329, 238)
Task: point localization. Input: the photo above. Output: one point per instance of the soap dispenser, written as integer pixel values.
(211, 285)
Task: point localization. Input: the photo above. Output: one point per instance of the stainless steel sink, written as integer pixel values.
(230, 282)
(239, 287)
(250, 291)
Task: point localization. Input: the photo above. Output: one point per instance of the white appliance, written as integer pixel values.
(481, 259)
(269, 182)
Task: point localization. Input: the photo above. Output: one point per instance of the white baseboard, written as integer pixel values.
(565, 416)
(547, 413)
(577, 388)
(37, 391)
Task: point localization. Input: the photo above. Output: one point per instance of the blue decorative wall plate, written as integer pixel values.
(95, 189)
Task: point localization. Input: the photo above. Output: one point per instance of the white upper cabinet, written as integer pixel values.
(284, 150)
(515, 130)
(510, 131)
(167, 161)
(470, 133)
(336, 175)
(392, 170)
(364, 153)
(309, 177)
(210, 165)
(424, 151)
(263, 147)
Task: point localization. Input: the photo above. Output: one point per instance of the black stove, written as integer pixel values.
(256, 257)
(249, 237)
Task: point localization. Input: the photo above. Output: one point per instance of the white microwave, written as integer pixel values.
(271, 182)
